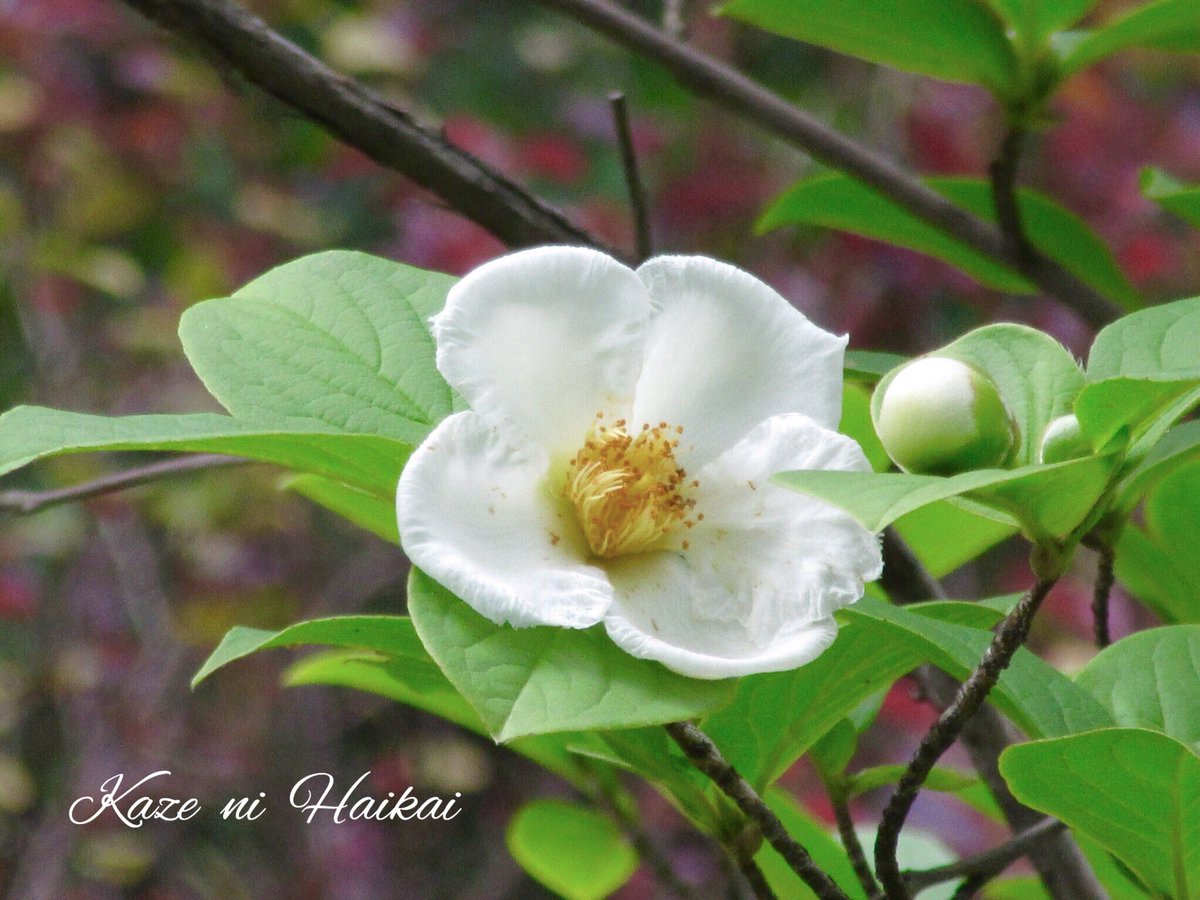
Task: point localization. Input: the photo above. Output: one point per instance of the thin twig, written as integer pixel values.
(358, 116)
(1003, 174)
(705, 756)
(1100, 594)
(1008, 639)
(27, 502)
(970, 887)
(850, 841)
(1062, 867)
(708, 77)
(989, 863)
(754, 875)
(633, 178)
(609, 795)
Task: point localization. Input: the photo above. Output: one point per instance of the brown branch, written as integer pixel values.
(356, 115)
(28, 502)
(705, 756)
(1003, 176)
(1063, 869)
(608, 794)
(633, 179)
(1009, 638)
(970, 887)
(1100, 594)
(850, 842)
(989, 863)
(753, 875)
(708, 77)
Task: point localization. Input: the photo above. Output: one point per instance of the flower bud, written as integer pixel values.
(941, 417)
(1063, 440)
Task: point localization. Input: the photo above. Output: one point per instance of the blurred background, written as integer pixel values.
(135, 180)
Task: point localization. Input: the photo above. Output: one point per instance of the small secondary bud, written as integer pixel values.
(941, 417)
(1063, 440)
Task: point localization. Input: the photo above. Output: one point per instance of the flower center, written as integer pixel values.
(628, 490)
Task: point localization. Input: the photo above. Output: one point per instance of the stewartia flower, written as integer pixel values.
(614, 464)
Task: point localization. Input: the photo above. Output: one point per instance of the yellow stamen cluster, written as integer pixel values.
(627, 490)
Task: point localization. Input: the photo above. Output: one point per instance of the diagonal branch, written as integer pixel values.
(1064, 871)
(850, 842)
(28, 502)
(704, 755)
(708, 77)
(356, 115)
(1008, 639)
(989, 863)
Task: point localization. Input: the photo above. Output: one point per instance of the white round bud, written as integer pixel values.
(940, 416)
(1063, 440)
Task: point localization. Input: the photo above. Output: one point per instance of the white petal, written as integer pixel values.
(724, 351)
(539, 341)
(477, 517)
(801, 557)
(764, 570)
(652, 619)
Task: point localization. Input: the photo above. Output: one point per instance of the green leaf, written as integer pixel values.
(366, 510)
(824, 848)
(392, 636)
(1035, 19)
(415, 680)
(1134, 792)
(574, 851)
(856, 423)
(832, 753)
(876, 644)
(337, 340)
(1161, 343)
(370, 462)
(762, 744)
(1156, 559)
(1181, 199)
(928, 531)
(540, 680)
(870, 365)
(1048, 501)
(941, 779)
(410, 678)
(1172, 25)
(1124, 411)
(1155, 573)
(1037, 697)
(840, 202)
(1151, 679)
(652, 755)
(1028, 887)
(1143, 372)
(1179, 448)
(949, 39)
(1115, 878)
(381, 655)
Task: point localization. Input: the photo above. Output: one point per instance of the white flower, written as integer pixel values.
(614, 464)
